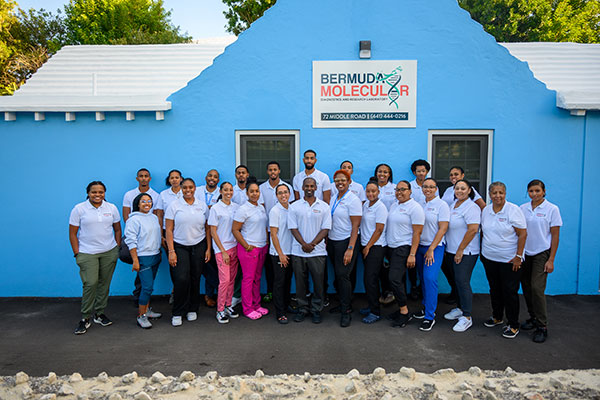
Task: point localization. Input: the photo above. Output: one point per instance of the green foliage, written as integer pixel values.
(120, 22)
(242, 13)
(538, 20)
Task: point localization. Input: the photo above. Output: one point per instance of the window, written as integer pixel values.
(256, 148)
(467, 149)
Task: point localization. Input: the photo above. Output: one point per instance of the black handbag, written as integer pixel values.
(124, 254)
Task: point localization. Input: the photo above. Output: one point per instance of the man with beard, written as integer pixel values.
(323, 190)
(309, 220)
(239, 190)
(209, 193)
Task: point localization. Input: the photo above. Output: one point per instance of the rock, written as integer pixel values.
(82, 396)
(408, 373)
(475, 371)
(259, 374)
(350, 387)
(255, 396)
(181, 387)
(439, 396)
(445, 373)
(510, 372)
(555, 383)
(257, 387)
(357, 396)
(306, 377)
(97, 394)
(464, 386)
(65, 390)
(533, 396)
(533, 385)
(142, 396)
(158, 377)
(489, 385)
(130, 377)
(49, 396)
(490, 396)
(353, 374)
(429, 388)
(75, 377)
(467, 395)
(326, 389)
(211, 388)
(187, 376)
(51, 378)
(514, 389)
(386, 396)
(212, 375)
(102, 377)
(115, 396)
(26, 392)
(21, 377)
(378, 373)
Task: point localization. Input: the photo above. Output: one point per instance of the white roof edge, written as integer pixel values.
(578, 100)
(75, 104)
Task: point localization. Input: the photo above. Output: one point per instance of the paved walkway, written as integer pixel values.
(37, 337)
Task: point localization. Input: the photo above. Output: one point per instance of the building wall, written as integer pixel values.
(263, 81)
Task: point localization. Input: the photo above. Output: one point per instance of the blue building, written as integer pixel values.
(102, 112)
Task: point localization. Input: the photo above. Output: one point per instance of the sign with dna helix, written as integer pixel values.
(365, 94)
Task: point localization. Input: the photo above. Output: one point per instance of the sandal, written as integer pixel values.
(254, 315)
(262, 310)
(282, 320)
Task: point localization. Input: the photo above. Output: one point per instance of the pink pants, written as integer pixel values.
(227, 273)
(252, 264)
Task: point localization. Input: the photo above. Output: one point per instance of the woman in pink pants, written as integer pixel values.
(250, 231)
(220, 221)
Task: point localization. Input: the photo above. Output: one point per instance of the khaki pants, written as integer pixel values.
(533, 282)
(96, 271)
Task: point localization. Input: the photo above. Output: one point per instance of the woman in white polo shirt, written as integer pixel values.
(250, 231)
(95, 235)
(543, 230)
(167, 196)
(431, 251)
(372, 237)
(280, 252)
(188, 240)
(403, 233)
(504, 233)
(462, 248)
(387, 195)
(224, 243)
(346, 213)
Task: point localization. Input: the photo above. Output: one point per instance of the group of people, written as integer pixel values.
(229, 232)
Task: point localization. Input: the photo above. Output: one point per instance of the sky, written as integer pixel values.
(200, 18)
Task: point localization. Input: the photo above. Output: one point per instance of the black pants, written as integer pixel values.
(186, 277)
(282, 282)
(413, 278)
(448, 270)
(373, 265)
(398, 257)
(211, 276)
(533, 282)
(504, 290)
(316, 267)
(343, 283)
(269, 269)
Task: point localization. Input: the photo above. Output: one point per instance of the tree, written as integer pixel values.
(120, 22)
(242, 13)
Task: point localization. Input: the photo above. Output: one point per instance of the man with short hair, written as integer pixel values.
(420, 169)
(309, 221)
(239, 189)
(209, 193)
(323, 190)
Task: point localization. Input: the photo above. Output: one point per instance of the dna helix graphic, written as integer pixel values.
(392, 79)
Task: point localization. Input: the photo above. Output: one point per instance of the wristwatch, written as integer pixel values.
(350, 247)
(521, 257)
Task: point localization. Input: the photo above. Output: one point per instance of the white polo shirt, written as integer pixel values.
(209, 198)
(269, 196)
(539, 222)
(221, 216)
(467, 213)
(254, 219)
(436, 211)
(448, 196)
(309, 220)
(239, 195)
(165, 199)
(401, 218)
(499, 237)
(354, 187)
(322, 179)
(95, 234)
(373, 215)
(387, 194)
(278, 218)
(417, 192)
(132, 194)
(189, 220)
(341, 211)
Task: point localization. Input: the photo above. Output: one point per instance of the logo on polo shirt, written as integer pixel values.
(501, 219)
(316, 211)
(107, 214)
(542, 215)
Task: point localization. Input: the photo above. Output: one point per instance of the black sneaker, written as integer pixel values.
(540, 335)
(83, 326)
(419, 314)
(299, 317)
(492, 322)
(316, 317)
(509, 332)
(102, 319)
(326, 301)
(345, 320)
(393, 316)
(529, 325)
(335, 310)
(402, 320)
(426, 325)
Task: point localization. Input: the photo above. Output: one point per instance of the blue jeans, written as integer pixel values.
(428, 275)
(148, 269)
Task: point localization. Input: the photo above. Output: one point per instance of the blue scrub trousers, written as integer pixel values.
(428, 275)
(147, 273)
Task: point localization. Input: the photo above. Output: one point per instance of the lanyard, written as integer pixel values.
(336, 203)
(206, 199)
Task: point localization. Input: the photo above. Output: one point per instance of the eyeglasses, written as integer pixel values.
(401, 189)
(146, 201)
(340, 180)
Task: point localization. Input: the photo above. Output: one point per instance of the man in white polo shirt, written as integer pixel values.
(420, 169)
(239, 190)
(323, 191)
(309, 220)
(143, 177)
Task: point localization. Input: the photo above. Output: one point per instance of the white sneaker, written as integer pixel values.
(235, 301)
(153, 314)
(222, 317)
(463, 324)
(176, 321)
(455, 313)
(143, 322)
(191, 316)
(231, 312)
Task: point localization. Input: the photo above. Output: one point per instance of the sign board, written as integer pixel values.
(365, 94)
